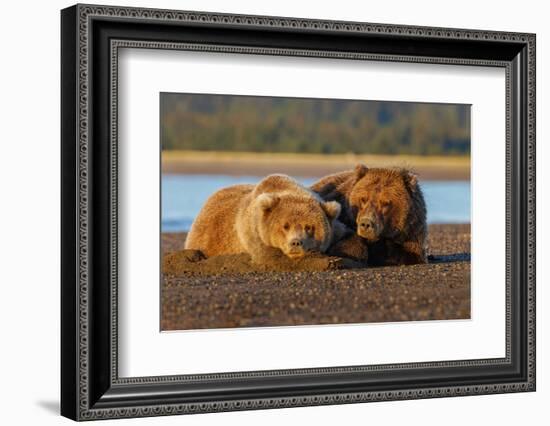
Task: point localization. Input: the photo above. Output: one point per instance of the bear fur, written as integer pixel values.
(278, 217)
(385, 207)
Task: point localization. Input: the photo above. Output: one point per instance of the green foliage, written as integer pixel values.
(328, 126)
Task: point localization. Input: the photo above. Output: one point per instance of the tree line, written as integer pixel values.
(327, 126)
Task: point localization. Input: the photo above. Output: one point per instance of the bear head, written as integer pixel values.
(381, 201)
(294, 223)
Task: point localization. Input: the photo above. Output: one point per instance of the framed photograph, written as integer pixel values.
(263, 212)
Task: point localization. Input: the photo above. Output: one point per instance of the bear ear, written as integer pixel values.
(267, 202)
(332, 209)
(411, 179)
(360, 171)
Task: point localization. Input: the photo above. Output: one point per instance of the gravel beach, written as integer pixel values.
(230, 292)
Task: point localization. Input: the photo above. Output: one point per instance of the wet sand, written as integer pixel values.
(231, 292)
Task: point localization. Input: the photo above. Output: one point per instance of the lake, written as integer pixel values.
(184, 195)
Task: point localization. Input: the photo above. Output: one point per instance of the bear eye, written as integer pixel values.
(386, 203)
(307, 228)
(363, 200)
(286, 227)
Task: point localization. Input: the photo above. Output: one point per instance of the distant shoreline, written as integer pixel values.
(307, 165)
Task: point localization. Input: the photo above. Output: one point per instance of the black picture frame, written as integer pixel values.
(90, 386)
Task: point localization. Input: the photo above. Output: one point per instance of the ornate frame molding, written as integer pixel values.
(83, 15)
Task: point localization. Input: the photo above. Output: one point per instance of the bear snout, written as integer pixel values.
(295, 248)
(296, 243)
(369, 227)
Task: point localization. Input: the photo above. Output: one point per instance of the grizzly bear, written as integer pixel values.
(385, 207)
(278, 217)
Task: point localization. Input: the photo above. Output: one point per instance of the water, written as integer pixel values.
(184, 195)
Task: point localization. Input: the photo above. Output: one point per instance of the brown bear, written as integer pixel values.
(274, 219)
(385, 207)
